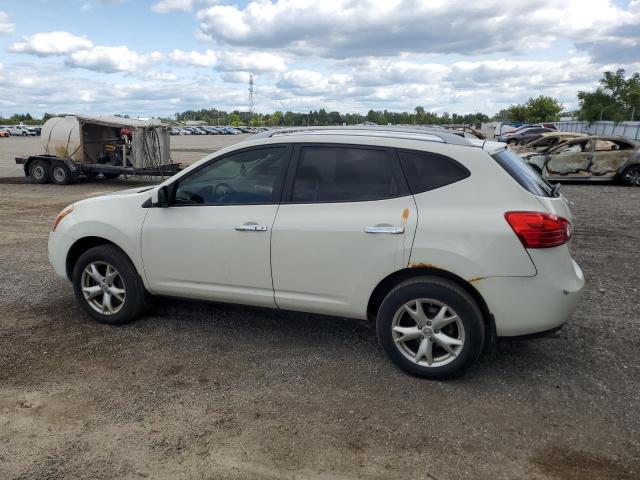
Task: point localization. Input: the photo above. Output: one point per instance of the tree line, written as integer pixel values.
(617, 98)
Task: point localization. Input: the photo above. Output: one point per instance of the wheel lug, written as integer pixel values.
(428, 323)
(436, 331)
(421, 336)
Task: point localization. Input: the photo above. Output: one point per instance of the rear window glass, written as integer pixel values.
(428, 171)
(523, 173)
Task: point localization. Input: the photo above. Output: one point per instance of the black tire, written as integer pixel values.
(40, 171)
(110, 176)
(136, 297)
(631, 176)
(60, 174)
(448, 293)
(24, 134)
(512, 141)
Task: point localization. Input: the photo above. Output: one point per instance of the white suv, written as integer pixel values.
(444, 242)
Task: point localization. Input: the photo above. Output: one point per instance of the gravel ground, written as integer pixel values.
(197, 390)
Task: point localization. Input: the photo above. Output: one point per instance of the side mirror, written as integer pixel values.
(160, 197)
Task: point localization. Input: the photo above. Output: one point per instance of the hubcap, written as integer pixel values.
(633, 177)
(38, 171)
(428, 332)
(58, 174)
(103, 288)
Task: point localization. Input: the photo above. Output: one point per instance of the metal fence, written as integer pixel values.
(629, 130)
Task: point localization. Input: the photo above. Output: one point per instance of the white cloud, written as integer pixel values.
(193, 58)
(343, 28)
(166, 6)
(250, 62)
(6, 26)
(111, 59)
(51, 43)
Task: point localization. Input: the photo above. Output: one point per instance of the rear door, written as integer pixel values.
(347, 221)
(609, 157)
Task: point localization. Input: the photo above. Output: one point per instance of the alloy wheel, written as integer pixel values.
(428, 332)
(103, 288)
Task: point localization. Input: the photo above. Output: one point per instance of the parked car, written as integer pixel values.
(545, 143)
(15, 131)
(4, 133)
(524, 136)
(25, 131)
(393, 226)
(593, 158)
(175, 131)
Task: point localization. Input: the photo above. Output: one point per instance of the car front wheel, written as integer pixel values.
(107, 285)
(430, 327)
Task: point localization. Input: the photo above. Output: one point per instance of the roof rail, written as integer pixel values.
(409, 133)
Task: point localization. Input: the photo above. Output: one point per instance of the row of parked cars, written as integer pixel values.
(19, 131)
(572, 156)
(208, 130)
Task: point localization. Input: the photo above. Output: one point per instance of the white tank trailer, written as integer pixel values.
(89, 146)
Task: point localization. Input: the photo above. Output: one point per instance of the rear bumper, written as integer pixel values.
(530, 305)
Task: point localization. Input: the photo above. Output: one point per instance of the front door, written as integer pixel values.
(571, 160)
(346, 221)
(213, 241)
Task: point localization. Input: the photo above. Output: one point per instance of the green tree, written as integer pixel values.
(517, 113)
(543, 109)
(617, 98)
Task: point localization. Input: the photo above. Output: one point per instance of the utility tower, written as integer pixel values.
(251, 102)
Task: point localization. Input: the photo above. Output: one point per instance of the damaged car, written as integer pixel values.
(545, 143)
(593, 158)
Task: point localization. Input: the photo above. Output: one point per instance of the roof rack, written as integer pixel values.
(408, 133)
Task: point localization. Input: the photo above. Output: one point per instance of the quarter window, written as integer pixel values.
(427, 171)
(343, 174)
(249, 177)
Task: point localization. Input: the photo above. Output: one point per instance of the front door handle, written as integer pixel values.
(251, 227)
(392, 230)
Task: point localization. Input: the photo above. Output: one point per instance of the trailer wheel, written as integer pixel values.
(60, 174)
(110, 176)
(39, 171)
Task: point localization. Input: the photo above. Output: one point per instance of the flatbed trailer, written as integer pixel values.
(63, 171)
(87, 146)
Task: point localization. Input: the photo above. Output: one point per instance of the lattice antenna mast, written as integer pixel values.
(251, 100)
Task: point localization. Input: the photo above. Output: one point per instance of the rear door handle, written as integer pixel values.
(392, 230)
(251, 227)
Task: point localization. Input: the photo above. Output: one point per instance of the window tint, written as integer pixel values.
(343, 174)
(246, 177)
(426, 171)
(523, 173)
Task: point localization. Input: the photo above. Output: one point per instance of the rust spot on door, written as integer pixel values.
(405, 215)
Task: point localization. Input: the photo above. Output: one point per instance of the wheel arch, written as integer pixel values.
(82, 245)
(389, 282)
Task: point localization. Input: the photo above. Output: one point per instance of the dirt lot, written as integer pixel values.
(199, 390)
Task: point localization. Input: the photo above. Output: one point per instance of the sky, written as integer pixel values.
(158, 57)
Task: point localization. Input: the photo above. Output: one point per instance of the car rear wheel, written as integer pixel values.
(631, 176)
(430, 327)
(61, 175)
(107, 285)
(39, 171)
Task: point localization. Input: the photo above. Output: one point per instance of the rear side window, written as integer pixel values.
(523, 174)
(427, 171)
(343, 174)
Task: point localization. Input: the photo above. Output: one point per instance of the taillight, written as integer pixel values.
(539, 230)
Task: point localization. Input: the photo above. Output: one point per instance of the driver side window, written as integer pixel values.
(249, 177)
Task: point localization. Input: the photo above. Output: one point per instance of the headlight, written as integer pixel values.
(66, 211)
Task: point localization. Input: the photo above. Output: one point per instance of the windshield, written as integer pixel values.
(529, 179)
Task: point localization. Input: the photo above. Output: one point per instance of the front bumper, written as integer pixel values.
(59, 245)
(529, 305)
